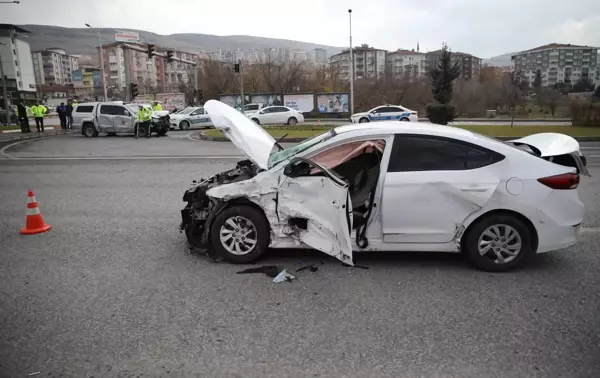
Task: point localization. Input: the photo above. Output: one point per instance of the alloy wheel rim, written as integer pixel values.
(238, 235)
(500, 243)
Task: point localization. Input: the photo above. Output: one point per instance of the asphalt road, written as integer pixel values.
(112, 290)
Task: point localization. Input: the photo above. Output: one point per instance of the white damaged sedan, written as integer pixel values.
(387, 186)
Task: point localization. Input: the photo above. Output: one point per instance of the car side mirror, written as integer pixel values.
(127, 113)
(297, 168)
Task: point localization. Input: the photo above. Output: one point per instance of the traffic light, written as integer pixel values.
(236, 68)
(150, 51)
(169, 56)
(200, 95)
(133, 88)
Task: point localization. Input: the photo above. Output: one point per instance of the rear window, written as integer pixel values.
(84, 108)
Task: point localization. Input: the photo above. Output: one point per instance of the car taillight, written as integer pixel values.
(561, 182)
(413, 113)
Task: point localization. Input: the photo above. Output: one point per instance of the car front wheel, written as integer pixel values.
(499, 243)
(363, 120)
(256, 121)
(240, 234)
(184, 125)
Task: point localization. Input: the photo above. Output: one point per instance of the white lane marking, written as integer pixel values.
(130, 158)
(8, 156)
(594, 156)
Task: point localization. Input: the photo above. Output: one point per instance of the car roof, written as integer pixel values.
(382, 127)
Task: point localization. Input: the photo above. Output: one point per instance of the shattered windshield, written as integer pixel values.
(278, 157)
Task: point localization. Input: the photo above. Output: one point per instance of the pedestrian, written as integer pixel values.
(38, 111)
(62, 115)
(70, 114)
(22, 115)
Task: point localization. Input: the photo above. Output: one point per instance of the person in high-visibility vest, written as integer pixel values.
(38, 111)
(156, 107)
(144, 116)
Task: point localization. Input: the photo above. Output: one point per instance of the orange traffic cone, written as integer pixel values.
(34, 223)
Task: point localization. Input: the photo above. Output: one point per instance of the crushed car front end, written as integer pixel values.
(200, 209)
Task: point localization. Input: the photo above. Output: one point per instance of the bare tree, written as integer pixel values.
(514, 91)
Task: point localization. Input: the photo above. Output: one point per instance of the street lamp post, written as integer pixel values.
(102, 62)
(351, 66)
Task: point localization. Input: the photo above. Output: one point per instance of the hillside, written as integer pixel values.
(84, 40)
(500, 60)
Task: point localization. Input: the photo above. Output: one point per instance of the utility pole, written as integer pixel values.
(242, 84)
(127, 63)
(102, 60)
(351, 66)
(4, 90)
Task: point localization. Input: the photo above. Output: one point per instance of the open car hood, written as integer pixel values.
(245, 134)
(548, 145)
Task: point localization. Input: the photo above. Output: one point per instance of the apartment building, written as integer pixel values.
(470, 65)
(368, 63)
(559, 63)
(318, 56)
(406, 63)
(87, 84)
(147, 72)
(17, 65)
(54, 66)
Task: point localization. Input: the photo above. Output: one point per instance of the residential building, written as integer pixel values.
(87, 83)
(368, 63)
(54, 66)
(406, 63)
(150, 74)
(558, 63)
(319, 56)
(17, 65)
(470, 66)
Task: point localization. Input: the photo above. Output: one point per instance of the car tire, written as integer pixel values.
(143, 131)
(489, 232)
(184, 125)
(404, 119)
(162, 131)
(363, 120)
(292, 121)
(250, 219)
(256, 121)
(89, 130)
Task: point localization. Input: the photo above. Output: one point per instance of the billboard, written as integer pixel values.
(234, 100)
(77, 76)
(170, 101)
(332, 102)
(96, 76)
(267, 99)
(304, 103)
(122, 36)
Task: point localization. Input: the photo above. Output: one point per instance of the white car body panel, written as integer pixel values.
(246, 135)
(197, 117)
(415, 210)
(379, 113)
(278, 118)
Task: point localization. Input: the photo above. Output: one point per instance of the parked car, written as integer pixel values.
(386, 113)
(253, 108)
(388, 187)
(191, 116)
(111, 118)
(271, 115)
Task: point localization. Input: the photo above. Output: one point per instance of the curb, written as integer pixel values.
(209, 138)
(47, 134)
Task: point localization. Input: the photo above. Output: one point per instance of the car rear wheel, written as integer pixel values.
(143, 131)
(184, 125)
(240, 234)
(292, 121)
(256, 121)
(404, 119)
(499, 243)
(363, 120)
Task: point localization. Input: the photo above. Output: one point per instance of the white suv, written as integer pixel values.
(386, 113)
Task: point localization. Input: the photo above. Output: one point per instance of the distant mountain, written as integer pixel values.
(500, 60)
(85, 40)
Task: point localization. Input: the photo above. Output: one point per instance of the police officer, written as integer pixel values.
(144, 116)
(38, 111)
(156, 107)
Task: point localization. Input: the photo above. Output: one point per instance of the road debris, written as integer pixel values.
(283, 276)
(34, 373)
(355, 266)
(312, 267)
(270, 270)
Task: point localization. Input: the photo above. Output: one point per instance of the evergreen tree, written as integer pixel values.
(442, 79)
(537, 82)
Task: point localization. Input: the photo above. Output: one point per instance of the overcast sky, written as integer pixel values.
(484, 28)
